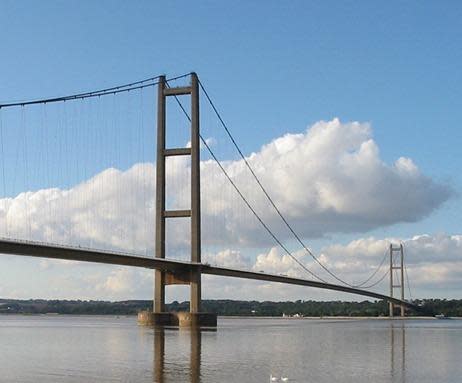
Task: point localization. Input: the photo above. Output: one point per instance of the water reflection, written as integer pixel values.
(398, 351)
(178, 352)
(195, 356)
(161, 373)
(159, 355)
(69, 349)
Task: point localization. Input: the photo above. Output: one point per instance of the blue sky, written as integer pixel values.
(272, 67)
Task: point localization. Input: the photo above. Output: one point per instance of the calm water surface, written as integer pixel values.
(70, 349)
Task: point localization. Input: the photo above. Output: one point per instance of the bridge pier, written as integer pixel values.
(177, 319)
(192, 276)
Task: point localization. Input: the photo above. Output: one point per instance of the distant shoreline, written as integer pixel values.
(341, 318)
(234, 308)
(326, 318)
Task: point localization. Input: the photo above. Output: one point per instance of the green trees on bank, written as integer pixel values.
(226, 307)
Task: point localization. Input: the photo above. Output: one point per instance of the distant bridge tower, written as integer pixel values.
(191, 276)
(399, 283)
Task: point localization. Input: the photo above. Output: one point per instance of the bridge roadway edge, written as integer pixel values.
(52, 251)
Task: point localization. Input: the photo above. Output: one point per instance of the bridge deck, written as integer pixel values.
(32, 249)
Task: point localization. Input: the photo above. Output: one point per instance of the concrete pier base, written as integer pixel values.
(181, 319)
(148, 318)
(195, 320)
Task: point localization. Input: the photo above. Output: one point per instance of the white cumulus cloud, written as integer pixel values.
(328, 179)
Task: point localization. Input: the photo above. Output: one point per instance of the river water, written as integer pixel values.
(78, 349)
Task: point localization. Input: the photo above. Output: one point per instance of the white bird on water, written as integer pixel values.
(273, 378)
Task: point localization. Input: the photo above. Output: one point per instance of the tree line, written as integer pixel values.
(309, 308)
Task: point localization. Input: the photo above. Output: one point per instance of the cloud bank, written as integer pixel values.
(432, 260)
(329, 179)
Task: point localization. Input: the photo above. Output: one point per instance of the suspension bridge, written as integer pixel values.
(66, 197)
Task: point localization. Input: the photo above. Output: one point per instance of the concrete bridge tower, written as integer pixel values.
(399, 284)
(191, 275)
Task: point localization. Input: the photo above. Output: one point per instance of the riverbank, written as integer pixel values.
(232, 308)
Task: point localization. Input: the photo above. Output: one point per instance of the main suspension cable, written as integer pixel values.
(407, 282)
(378, 281)
(374, 273)
(297, 237)
(270, 232)
(152, 81)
